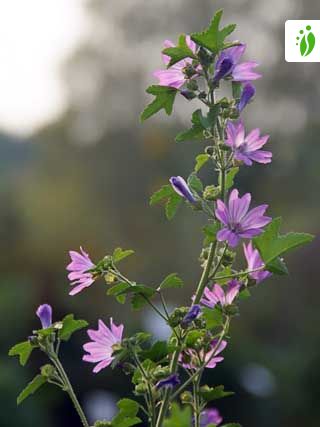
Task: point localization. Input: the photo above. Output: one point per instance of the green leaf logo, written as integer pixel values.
(306, 40)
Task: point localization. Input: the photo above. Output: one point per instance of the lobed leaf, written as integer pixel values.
(196, 131)
(165, 192)
(69, 326)
(31, 388)
(201, 160)
(172, 205)
(195, 183)
(119, 254)
(179, 52)
(23, 350)
(179, 417)
(214, 393)
(171, 281)
(271, 244)
(212, 38)
(164, 99)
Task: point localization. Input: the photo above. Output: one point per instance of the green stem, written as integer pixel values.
(204, 364)
(205, 274)
(196, 401)
(239, 274)
(69, 389)
(166, 399)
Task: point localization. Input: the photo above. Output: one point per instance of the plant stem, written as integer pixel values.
(240, 273)
(201, 368)
(167, 393)
(205, 274)
(69, 389)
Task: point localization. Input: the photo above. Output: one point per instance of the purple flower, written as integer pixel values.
(210, 416)
(254, 261)
(195, 359)
(238, 221)
(44, 312)
(246, 149)
(175, 75)
(181, 187)
(100, 349)
(79, 267)
(218, 296)
(169, 382)
(227, 66)
(192, 314)
(248, 92)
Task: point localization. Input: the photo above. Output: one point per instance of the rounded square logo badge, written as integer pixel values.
(302, 40)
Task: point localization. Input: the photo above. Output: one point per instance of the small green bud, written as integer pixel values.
(141, 388)
(232, 310)
(234, 113)
(186, 397)
(209, 150)
(161, 372)
(202, 95)
(192, 85)
(177, 316)
(188, 94)
(224, 102)
(48, 371)
(189, 71)
(110, 278)
(251, 282)
(211, 192)
(107, 262)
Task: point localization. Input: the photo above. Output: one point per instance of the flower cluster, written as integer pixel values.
(165, 372)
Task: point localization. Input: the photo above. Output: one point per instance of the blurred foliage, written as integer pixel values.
(86, 180)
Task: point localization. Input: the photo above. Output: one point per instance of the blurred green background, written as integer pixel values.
(84, 178)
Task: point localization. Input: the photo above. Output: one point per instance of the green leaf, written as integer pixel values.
(70, 325)
(31, 388)
(148, 365)
(126, 417)
(201, 160)
(179, 417)
(117, 289)
(212, 38)
(157, 352)
(119, 254)
(209, 121)
(23, 350)
(196, 131)
(140, 294)
(210, 231)
(230, 177)
(195, 183)
(171, 281)
(165, 97)
(271, 245)
(164, 193)
(214, 393)
(179, 52)
(212, 316)
(278, 266)
(172, 205)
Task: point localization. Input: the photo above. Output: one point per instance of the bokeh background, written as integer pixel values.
(77, 168)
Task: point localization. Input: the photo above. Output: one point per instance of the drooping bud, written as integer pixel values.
(224, 69)
(247, 94)
(192, 314)
(181, 187)
(44, 312)
(169, 382)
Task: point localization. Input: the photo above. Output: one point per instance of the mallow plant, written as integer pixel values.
(167, 376)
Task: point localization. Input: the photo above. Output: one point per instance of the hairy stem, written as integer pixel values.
(69, 389)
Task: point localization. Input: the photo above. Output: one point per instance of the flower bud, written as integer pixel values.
(110, 278)
(141, 388)
(44, 312)
(192, 314)
(48, 371)
(189, 71)
(192, 85)
(161, 372)
(227, 257)
(186, 397)
(188, 94)
(169, 382)
(181, 187)
(209, 150)
(211, 192)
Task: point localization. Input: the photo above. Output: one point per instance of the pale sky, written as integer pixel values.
(35, 37)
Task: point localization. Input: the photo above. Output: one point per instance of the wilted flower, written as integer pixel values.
(210, 416)
(247, 148)
(196, 358)
(254, 261)
(247, 94)
(238, 221)
(181, 187)
(100, 349)
(169, 382)
(217, 295)
(175, 75)
(44, 312)
(79, 267)
(227, 65)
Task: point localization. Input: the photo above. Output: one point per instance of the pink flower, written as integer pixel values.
(79, 267)
(210, 356)
(218, 296)
(254, 261)
(209, 417)
(238, 221)
(246, 149)
(174, 76)
(100, 349)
